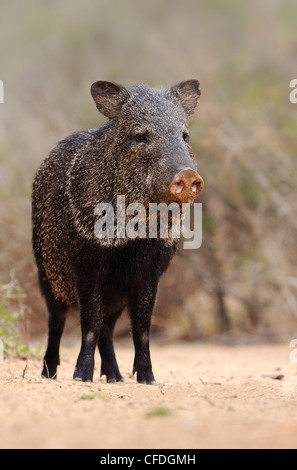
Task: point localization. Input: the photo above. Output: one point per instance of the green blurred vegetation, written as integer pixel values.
(12, 321)
(244, 277)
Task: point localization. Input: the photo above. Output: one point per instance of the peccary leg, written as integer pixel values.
(89, 304)
(57, 316)
(109, 366)
(141, 308)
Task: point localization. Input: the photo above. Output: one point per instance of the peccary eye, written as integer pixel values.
(186, 137)
(141, 137)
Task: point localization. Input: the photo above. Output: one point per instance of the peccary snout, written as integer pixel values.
(186, 185)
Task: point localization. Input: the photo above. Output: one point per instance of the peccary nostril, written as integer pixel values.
(179, 186)
(195, 186)
(187, 184)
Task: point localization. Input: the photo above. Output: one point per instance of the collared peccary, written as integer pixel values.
(143, 152)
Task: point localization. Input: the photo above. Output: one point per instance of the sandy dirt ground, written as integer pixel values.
(207, 396)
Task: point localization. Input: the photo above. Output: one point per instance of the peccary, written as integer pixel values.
(143, 152)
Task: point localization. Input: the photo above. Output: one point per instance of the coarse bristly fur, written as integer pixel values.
(137, 153)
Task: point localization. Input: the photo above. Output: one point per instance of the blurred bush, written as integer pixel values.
(244, 277)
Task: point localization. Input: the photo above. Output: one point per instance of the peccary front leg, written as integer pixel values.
(89, 303)
(141, 308)
(109, 366)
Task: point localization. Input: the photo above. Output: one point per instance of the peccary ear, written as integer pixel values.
(109, 97)
(188, 93)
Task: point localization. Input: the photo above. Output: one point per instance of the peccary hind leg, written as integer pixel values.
(57, 316)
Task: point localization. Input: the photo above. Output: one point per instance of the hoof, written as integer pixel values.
(82, 377)
(146, 382)
(114, 380)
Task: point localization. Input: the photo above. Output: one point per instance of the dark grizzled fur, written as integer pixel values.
(105, 276)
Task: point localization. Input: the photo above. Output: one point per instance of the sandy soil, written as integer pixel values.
(208, 396)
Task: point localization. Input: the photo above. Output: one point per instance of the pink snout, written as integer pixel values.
(186, 185)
